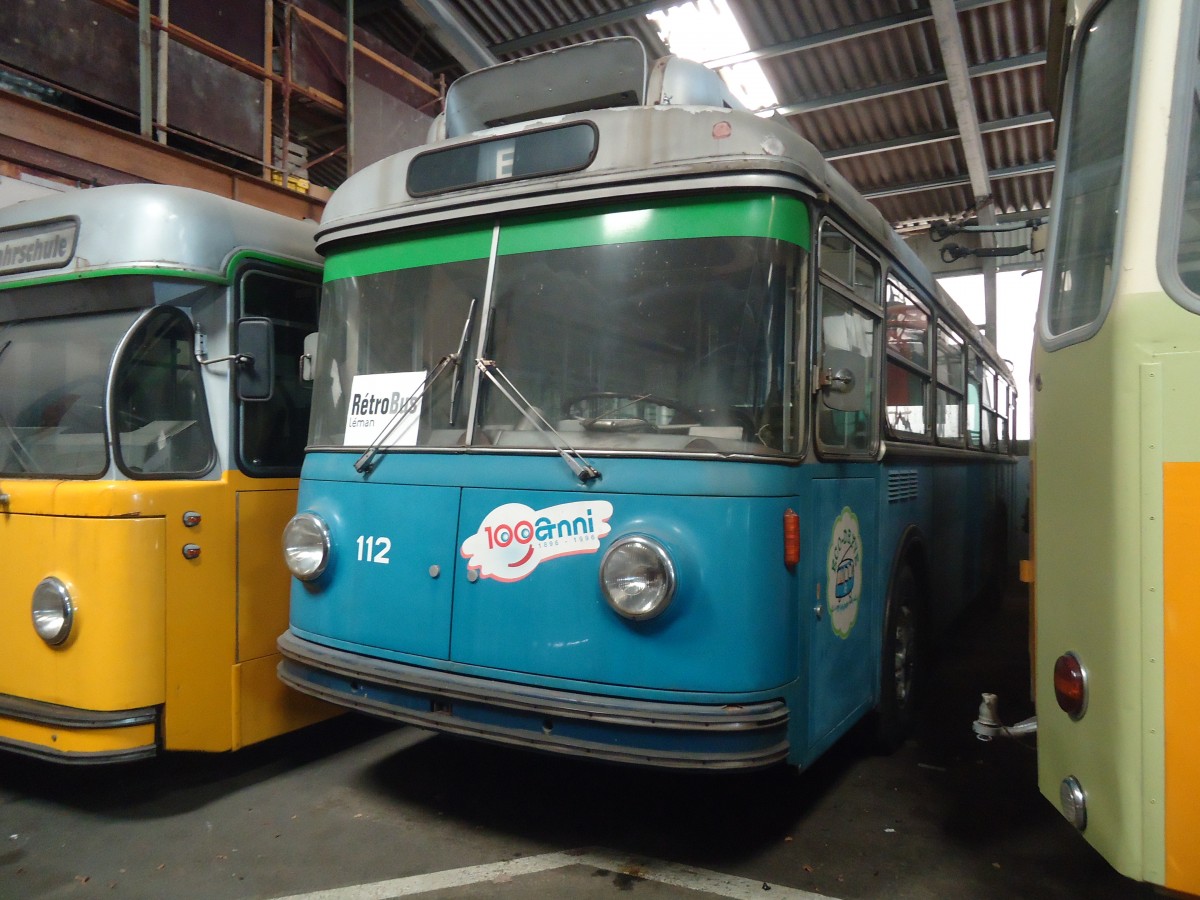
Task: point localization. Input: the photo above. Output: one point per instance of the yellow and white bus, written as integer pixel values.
(1116, 502)
(152, 424)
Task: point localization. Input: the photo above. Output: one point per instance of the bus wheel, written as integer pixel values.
(901, 669)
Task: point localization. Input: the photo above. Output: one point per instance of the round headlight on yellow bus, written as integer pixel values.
(306, 546)
(53, 611)
(637, 577)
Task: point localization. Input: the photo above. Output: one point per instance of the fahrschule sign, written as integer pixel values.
(49, 245)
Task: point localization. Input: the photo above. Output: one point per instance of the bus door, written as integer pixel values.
(843, 575)
(278, 309)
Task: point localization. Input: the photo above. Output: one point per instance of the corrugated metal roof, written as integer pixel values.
(862, 79)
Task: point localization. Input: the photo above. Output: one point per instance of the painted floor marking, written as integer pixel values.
(687, 877)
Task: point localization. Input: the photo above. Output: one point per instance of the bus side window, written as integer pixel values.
(908, 371)
(990, 417)
(974, 401)
(950, 387)
(847, 356)
(272, 433)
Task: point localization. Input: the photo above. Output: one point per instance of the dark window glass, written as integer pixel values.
(53, 375)
(274, 431)
(159, 410)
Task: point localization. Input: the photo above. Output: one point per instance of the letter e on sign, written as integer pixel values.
(497, 160)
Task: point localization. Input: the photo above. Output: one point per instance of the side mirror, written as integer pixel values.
(255, 359)
(308, 361)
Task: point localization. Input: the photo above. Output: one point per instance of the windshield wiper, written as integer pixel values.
(366, 462)
(456, 385)
(583, 470)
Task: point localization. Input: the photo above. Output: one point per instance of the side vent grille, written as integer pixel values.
(902, 485)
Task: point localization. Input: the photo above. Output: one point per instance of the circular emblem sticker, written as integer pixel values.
(844, 573)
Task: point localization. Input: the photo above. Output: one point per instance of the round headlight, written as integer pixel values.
(53, 611)
(306, 546)
(637, 577)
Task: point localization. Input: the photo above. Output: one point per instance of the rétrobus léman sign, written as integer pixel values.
(49, 245)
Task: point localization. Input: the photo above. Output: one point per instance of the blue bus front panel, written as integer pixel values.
(487, 617)
(388, 587)
(537, 606)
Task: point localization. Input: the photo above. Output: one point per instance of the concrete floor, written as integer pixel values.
(349, 804)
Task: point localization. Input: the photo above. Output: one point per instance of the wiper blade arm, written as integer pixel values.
(366, 462)
(583, 470)
(456, 386)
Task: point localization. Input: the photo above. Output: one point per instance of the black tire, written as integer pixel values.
(902, 668)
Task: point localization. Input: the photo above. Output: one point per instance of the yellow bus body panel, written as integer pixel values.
(102, 744)
(100, 560)
(193, 638)
(113, 659)
(267, 706)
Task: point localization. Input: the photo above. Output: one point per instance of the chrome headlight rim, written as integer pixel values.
(304, 536)
(619, 554)
(53, 611)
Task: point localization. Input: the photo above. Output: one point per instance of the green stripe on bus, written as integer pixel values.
(766, 216)
(757, 215)
(410, 253)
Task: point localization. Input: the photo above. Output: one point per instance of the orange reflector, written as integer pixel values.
(791, 538)
(1070, 685)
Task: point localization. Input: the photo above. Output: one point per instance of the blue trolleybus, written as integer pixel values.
(637, 434)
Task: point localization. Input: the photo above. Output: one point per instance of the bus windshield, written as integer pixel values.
(54, 388)
(643, 346)
(53, 375)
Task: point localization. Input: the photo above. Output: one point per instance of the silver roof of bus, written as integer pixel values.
(640, 149)
(670, 134)
(155, 226)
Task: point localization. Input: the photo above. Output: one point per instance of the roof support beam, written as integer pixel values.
(957, 181)
(887, 23)
(524, 42)
(934, 79)
(934, 137)
(453, 32)
(823, 39)
(954, 60)
(570, 29)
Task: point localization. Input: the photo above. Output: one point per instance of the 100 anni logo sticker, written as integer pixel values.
(515, 539)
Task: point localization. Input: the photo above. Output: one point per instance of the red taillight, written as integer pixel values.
(1070, 685)
(791, 538)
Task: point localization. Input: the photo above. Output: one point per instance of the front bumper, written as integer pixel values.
(65, 734)
(619, 729)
